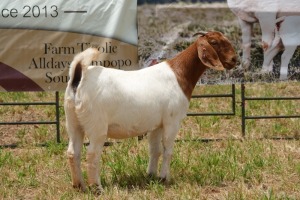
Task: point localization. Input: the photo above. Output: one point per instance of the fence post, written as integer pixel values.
(233, 99)
(57, 117)
(243, 109)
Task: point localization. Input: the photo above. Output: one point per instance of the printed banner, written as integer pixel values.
(267, 50)
(40, 38)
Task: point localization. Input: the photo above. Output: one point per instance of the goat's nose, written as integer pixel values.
(234, 59)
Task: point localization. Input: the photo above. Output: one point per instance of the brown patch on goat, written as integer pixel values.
(77, 76)
(187, 68)
(211, 50)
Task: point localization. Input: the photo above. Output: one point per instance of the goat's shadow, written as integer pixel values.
(136, 181)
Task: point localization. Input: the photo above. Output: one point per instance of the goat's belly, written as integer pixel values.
(116, 131)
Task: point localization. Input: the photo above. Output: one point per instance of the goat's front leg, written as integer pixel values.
(168, 140)
(154, 139)
(94, 150)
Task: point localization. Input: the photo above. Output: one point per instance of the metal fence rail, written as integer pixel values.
(230, 95)
(56, 122)
(244, 98)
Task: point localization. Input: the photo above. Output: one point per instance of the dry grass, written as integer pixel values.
(247, 168)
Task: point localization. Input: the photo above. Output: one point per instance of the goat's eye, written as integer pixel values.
(213, 42)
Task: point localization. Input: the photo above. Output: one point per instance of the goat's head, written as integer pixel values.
(215, 51)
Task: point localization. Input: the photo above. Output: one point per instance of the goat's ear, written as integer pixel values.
(208, 55)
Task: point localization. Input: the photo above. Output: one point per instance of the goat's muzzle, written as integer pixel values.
(231, 63)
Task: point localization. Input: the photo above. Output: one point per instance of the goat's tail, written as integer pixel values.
(280, 19)
(79, 64)
(278, 23)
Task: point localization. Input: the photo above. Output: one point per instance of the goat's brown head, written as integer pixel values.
(215, 51)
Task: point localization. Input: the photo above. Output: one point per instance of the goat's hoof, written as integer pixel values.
(266, 71)
(283, 78)
(151, 176)
(163, 180)
(241, 68)
(95, 189)
(80, 187)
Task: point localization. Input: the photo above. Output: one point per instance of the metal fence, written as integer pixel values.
(244, 117)
(54, 103)
(231, 96)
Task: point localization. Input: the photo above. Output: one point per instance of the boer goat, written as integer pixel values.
(106, 103)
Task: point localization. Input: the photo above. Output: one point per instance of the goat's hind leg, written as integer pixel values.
(97, 138)
(270, 53)
(76, 135)
(285, 59)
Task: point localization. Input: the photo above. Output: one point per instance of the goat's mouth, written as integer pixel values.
(229, 65)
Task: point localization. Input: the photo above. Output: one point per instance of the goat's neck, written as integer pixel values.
(188, 68)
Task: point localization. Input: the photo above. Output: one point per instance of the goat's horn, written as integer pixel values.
(201, 33)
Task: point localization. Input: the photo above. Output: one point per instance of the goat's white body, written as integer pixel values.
(265, 12)
(130, 103)
(288, 35)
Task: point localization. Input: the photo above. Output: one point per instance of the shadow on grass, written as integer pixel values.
(137, 180)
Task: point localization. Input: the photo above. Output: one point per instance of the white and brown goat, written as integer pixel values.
(106, 103)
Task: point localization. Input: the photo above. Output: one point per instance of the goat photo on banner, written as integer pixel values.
(264, 33)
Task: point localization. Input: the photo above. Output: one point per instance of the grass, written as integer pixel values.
(253, 167)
